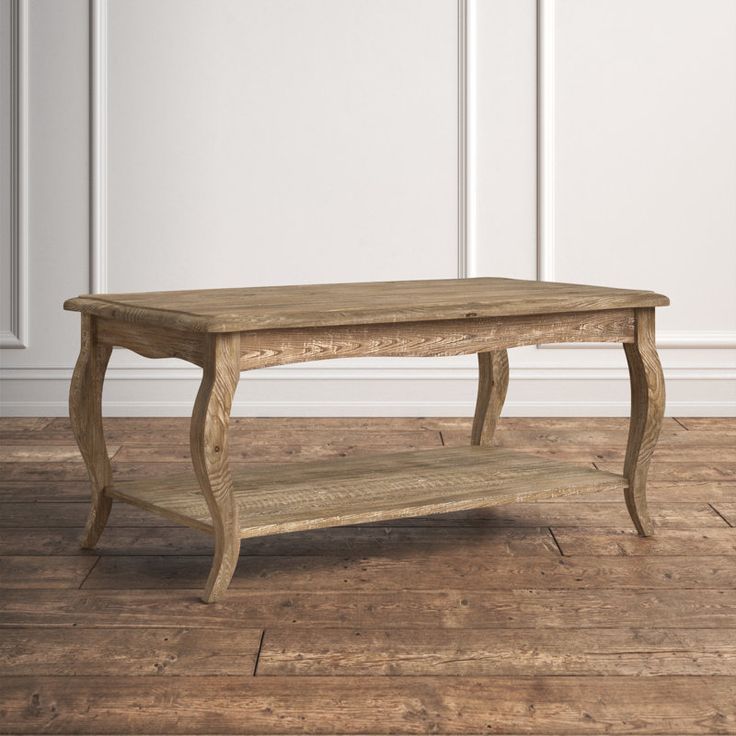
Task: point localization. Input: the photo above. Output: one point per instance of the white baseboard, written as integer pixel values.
(375, 409)
(416, 390)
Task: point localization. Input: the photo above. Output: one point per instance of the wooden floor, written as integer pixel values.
(539, 618)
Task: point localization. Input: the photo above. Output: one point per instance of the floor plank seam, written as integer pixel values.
(555, 540)
(728, 523)
(258, 653)
(89, 572)
(681, 424)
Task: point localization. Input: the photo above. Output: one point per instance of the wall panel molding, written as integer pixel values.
(98, 226)
(17, 336)
(99, 81)
(546, 172)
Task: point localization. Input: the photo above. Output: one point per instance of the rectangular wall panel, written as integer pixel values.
(279, 141)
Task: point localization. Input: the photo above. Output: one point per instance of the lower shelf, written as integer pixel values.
(298, 496)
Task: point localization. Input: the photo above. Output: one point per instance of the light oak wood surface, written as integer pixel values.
(226, 331)
(256, 308)
(368, 489)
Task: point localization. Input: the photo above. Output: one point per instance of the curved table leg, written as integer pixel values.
(209, 448)
(85, 413)
(647, 410)
(493, 382)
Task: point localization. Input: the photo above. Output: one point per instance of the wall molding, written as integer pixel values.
(467, 149)
(98, 225)
(546, 241)
(17, 336)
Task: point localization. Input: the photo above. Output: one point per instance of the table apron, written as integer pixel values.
(432, 338)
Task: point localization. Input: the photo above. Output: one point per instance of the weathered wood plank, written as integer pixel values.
(443, 337)
(288, 446)
(683, 471)
(356, 490)
(666, 542)
(482, 652)
(422, 570)
(558, 513)
(71, 513)
(311, 305)
(663, 495)
(709, 424)
(347, 541)
(113, 652)
(530, 608)
(727, 509)
(283, 705)
(24, 571)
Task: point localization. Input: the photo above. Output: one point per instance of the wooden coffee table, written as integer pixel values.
(226, 331)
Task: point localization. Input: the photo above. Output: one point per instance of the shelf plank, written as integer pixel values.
(300, 496)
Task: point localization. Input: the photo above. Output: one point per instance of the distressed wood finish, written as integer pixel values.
(357, 490)
(432, 339)
(85, 412)
(647, 411)
(493, 382)
(241, 310)
(209, 447)
(228, 330)
(153, 341)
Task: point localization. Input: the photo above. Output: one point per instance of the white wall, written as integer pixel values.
(245, 142)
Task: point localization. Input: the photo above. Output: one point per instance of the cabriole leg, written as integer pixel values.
(647, 410)
(209, 448)
(85, 413)
(493, 382)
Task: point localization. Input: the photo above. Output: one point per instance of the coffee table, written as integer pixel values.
(226, 331)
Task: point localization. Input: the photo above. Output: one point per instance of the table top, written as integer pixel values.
(318, 305)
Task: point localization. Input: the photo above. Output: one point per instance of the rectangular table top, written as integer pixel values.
(273, 307)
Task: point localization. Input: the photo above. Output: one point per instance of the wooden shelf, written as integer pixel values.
(298, 496)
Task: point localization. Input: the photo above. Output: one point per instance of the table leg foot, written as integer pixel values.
(647, 411)
(209, 448)
(85, 413)
(493, 382)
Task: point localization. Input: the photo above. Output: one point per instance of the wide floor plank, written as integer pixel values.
(586, 541)
(418, 571)
(284, 705)
(44, 572)
(518, 608)
(114, 652)
(480, 652)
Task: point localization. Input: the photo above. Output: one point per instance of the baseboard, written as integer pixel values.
(360, 390)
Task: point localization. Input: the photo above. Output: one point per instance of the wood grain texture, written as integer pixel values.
(587, 541)
(439, 608)
(356, 490)
(209, 447)
(727, 509)
(153, 342)
(85, 413)
(471, 566)
(27, 571)
(346, 541)
(263, 348)
(275, 705)
(480, 652)
(647, 410)
(231, 310)
(493, 383)
(110, 652)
